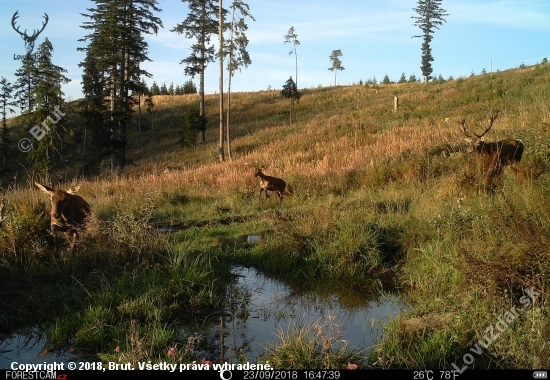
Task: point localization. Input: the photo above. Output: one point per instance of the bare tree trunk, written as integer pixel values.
(229, 92)
(113, 134)
(124, 92)
(290, 111)
(220, 31)
(139, 111)
(228, 115)
(201, 94)
(296, 56)
(84, 151)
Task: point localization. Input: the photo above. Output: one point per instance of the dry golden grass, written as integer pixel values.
(370, 185)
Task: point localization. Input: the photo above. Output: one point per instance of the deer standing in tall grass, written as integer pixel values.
(68, 214)
(497, 154)
(272, 184)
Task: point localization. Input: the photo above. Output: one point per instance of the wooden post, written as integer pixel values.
(395, 103)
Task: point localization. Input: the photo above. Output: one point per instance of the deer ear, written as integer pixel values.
(467, 139)
(44, 188)
(73, 189)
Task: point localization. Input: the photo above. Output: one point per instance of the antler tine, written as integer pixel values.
(15, 17)
(36, 33)
(492, 118)
(463, 128)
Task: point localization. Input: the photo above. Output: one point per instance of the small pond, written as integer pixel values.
(29, 349)
(258, 309)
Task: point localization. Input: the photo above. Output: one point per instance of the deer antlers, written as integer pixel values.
(492, 118)
(29, 40)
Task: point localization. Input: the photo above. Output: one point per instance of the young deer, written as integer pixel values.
(68, 214)
(272, 184)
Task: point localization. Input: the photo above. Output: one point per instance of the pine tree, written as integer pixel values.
(192, 123)
(155, 89)
(402, 79)
(163, 89)
(6, 104)
(236, 52)
(189, 87)
(25, 84)
(336, 63)
(118, 27)
(430, 17)
(46, 117)
(201, 24)
(95, 113)
(292, 37)
(290, 91)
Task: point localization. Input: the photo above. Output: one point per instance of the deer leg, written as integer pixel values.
(56, 243)
(260, 197)
(72, 243)
(72, 240)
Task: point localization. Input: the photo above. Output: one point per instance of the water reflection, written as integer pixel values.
(259, 307)
(28, 348)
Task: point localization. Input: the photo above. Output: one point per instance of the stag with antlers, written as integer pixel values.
(29, 40)
(498, 154)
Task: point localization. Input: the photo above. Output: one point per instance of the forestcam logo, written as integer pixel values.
(29, 40)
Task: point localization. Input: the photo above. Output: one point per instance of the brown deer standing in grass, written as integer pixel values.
(497, 154)
(68, 214)
(272, 184)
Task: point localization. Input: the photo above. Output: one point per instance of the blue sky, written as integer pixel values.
(373, 35)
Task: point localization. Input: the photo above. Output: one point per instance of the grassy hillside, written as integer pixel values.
(376, 193)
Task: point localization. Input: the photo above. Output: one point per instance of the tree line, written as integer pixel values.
(113, 80)
(187, 88)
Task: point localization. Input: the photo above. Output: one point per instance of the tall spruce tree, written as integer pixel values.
(94, 109)
(220, 81)
(25, 83)
(200, 24)
(430, 17)
(237, 53)
(118, 26)
(46, 112)
(6, 105)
